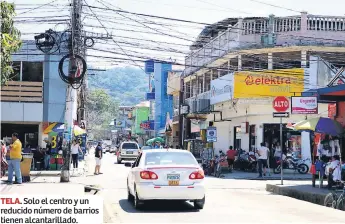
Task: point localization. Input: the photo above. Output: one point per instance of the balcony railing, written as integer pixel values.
(15, 91)
(199, 103)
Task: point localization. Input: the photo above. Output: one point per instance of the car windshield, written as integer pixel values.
(170, 158)
(129, 146)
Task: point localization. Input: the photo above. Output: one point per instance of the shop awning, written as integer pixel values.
(328, 94)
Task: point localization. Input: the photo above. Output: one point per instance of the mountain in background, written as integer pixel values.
(127, 85)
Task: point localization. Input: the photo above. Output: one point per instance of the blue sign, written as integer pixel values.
(211, 134)
(150, 96)
(149, 66)
(148, 125)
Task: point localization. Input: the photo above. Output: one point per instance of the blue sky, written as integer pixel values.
(125, 25)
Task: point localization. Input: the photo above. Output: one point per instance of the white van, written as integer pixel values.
(128, 151)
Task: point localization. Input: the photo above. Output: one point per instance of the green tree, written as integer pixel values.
(10, 40)
(101, 109)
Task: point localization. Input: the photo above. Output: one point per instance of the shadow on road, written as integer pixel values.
(158, 207)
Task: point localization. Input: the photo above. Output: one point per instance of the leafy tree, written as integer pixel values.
(101, 110)
(10, 40)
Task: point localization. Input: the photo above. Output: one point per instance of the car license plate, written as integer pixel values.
(129, 152)
(173, 179)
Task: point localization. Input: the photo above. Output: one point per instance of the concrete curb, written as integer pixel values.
(316, 198)
(268, 178)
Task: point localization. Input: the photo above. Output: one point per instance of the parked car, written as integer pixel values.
(113, 149)
(161, 174)
(128, 151)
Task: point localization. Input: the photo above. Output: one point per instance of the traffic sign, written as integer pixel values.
(281, 114)
(281, 104)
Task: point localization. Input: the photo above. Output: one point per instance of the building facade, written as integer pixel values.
(237, 66)
(174, 88)
(161, 103)
(35, 97)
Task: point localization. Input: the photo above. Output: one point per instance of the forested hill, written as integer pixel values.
(127, 85)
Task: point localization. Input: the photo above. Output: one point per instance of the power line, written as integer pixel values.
(38, 7)
(275, 6)
(230, 9)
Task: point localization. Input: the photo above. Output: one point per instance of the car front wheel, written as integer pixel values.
(199, 204)
(119, 161)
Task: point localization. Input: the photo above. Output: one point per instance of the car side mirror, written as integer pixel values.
(128, 164)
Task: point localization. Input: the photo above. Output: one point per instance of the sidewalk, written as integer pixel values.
(47, 182)
(241, 175)
(304, 192)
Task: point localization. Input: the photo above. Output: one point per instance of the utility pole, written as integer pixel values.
(75, 47)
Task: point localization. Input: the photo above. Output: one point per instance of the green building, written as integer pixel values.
(140, 114)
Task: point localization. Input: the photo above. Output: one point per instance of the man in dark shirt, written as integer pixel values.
(98, 157)
(48, 153)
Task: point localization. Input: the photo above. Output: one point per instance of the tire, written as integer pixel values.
(199, 204)
(277, 169)
(341, 204)
(138, 204)
(129, 195)
(119, 161)
(302, 168)
(330, 201)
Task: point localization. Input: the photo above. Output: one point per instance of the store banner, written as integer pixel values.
(222, 89)
(149, 66)
(304, 105)
(148, 125)
(268, 83)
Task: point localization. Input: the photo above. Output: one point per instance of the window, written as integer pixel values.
(16, 71)
(170, 158)
(32, 71)
(130, 146)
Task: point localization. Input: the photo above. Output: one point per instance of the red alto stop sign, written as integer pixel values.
(281, 104)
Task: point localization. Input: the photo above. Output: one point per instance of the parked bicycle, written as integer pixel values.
(333, 200)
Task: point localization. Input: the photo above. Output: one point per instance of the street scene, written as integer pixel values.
(193, 111)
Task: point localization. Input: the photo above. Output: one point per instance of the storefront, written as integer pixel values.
(28, 133)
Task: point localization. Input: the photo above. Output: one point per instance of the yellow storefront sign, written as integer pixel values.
(269, 83)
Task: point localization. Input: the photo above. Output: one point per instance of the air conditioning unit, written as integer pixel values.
(204, 105)
(194, 106)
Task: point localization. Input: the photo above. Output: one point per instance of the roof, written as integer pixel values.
(143, 104)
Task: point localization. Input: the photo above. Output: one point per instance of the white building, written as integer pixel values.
(237, 67)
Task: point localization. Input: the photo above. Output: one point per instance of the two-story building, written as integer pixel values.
(237, 66)
(35, 97)
(174, 88)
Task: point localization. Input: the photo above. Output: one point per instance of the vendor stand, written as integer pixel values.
(326, 135)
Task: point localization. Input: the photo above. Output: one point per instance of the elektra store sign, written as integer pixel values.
(221, 89)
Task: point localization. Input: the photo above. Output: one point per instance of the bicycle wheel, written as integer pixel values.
(341, 203)
(330, 200)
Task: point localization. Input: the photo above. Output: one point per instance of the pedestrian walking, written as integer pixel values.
(15, 159)
(263, 155)
(75, 153)
(231, 153)
(47, 154)
(98, 158)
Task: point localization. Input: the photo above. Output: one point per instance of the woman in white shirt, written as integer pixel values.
(75, 153)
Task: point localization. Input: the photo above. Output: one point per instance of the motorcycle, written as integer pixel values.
(246, 162)
(292, 164)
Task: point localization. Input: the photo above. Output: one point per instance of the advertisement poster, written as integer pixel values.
(268, 83)
(304, 105)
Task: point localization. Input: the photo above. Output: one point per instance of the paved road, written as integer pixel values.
(227, 200)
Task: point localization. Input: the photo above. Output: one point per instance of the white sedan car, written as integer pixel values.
(166, 174)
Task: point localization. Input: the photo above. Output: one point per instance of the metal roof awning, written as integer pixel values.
(328, 94)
